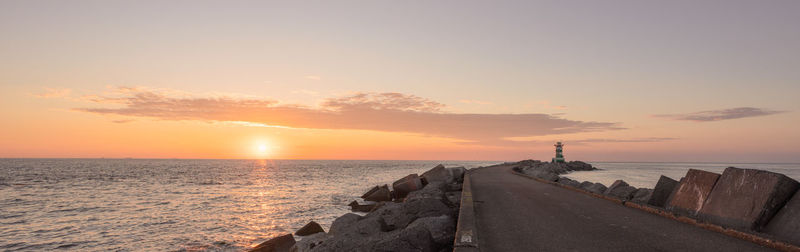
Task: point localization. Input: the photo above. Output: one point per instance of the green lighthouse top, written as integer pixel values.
(559, 153)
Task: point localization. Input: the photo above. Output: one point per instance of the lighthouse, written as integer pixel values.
(559, 153)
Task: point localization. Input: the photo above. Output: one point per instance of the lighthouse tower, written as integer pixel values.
(559, 153)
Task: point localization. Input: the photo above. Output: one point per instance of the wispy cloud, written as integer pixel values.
(530, 140)
(630, 140)
(389, 112)
(722, 114)
(54, 93)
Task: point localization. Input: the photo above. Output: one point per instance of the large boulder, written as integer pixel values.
(786, 223)
(692, 192)
(458, 173)
(616, 184)
(427, 207)
(662, 191)
(542, 174)
(309, 229)
(394, 215)
(438, 174)
(642, 195)
(597, 188)
(407, 184)
(343, 223)
(356, 207)
(621, 190)
(432, 190)
(381, 194)
(281, 243)
(424, 234)
(370, 191)
(310, 242)
(579, 166)
(569, 182)
(747, 198)
(416, 238)
(454, 198)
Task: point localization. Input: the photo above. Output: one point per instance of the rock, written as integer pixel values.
(542, 174)
(367, 226)
(585, 184)
(372, 190)
(426, 207)
(363, 208)
(442, 228)
(661, 192)
(786, 223)
(642, 195)
(277, 244)
(747, 198)
(406, 185)
(424, 234)
(454, 198)
(568, 182)
(309, 229)
(413, 238)
(381, 194)
(452, 187)
(692, 192)
(353, 203)
(438, 174)
(343, 222)
(394, 215)
(597, 188)
(458, 173)
(579, 166)
(432, 190)
(614, 185)
(623, 192)
(310, 242)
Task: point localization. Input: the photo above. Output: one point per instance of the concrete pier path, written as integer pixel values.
(515, 213)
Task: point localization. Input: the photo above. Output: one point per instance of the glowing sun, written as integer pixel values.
(262, 150)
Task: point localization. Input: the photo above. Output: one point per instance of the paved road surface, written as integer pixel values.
(514, 213)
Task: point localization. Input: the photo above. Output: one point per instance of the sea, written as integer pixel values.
(217, 205)
(179, 205)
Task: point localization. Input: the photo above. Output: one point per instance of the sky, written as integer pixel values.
(657, 81)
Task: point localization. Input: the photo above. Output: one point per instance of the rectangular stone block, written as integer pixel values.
(661, 192)
(692, 192)
(786, 224)
(747, 198)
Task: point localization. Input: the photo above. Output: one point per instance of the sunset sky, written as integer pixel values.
(459, 80)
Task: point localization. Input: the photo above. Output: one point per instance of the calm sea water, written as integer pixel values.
(647, 174)
(215, 205)
(168, 205)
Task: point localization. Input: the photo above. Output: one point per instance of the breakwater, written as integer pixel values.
(751, 204)
(418, 213)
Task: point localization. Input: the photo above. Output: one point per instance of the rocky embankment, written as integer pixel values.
(755, 204)
(551, 171)
(418, 213)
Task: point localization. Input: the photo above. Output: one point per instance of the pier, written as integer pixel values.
(511, 212)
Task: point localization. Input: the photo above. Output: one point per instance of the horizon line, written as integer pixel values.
(312, 159)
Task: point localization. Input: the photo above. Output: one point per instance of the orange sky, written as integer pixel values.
(615, 82)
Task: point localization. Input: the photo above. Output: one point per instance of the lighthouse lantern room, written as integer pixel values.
(559, 153)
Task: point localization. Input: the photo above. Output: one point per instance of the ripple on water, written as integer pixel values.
(177, 205)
